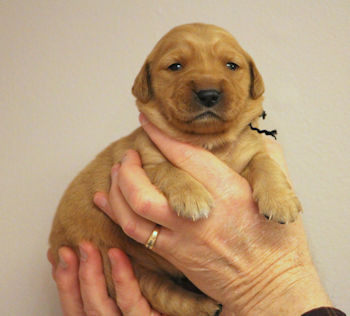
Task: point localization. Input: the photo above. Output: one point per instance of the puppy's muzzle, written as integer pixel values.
(208, 98)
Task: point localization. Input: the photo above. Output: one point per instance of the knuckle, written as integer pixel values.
(141, 203)
(129, 228)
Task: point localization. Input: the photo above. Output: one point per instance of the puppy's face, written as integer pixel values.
(198, 79)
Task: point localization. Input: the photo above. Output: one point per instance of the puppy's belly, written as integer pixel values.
(78, 219)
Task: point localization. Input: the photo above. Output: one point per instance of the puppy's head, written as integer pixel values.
(199, 85)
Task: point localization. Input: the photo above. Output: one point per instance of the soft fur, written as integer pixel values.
(169, 100)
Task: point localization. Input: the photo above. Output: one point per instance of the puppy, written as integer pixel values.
(199, 86)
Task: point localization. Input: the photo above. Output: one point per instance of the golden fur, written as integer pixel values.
(168, 98)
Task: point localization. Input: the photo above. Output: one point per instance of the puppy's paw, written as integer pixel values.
(218, 310)
(188, 197)
(205, 306)
(280, 205)
(190, 200)
(211, 308)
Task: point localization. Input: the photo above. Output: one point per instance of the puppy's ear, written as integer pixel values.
(257, 87)
(142, 88)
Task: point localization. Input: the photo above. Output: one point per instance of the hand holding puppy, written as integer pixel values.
(250, 265)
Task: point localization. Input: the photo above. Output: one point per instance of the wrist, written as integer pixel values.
(291, 291)
(295, 294)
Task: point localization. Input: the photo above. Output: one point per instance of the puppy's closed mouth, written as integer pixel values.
(205, 116)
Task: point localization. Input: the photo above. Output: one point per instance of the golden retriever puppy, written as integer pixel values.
(199, 86)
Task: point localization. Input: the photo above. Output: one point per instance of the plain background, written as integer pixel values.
(66, 70)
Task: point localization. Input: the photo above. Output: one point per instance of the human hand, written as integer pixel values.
(82, 288)
(250, 265)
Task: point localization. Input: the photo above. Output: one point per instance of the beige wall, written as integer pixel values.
(66, 69)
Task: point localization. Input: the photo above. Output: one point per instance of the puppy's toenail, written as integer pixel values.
(218, 312)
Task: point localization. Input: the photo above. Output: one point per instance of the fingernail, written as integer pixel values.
(115, 170)
(61, 261)
(100, 201)
(142, 118)
(124, 157)
(83, 254)
(112, 260)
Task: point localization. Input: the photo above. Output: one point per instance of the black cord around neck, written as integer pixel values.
(272, 133)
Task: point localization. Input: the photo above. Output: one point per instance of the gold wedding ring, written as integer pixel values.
(153, 238)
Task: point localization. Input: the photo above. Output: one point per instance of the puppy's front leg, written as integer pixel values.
(186, 195)
(271, 189)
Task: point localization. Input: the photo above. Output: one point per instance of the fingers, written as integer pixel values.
(132, 224)
(117, 208)
(199, 163)
(129, 298)
(139, 197)
(65, 273)
(141, 194)
(93, 284)
(82, 288)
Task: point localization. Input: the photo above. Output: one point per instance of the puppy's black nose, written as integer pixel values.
(208, 98)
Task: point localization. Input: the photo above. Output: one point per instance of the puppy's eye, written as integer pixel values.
(232, 66)
(175, 67)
